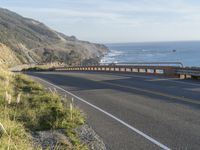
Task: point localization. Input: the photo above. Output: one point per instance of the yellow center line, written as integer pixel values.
(155, 93)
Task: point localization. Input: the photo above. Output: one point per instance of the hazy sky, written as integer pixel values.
(116, 20)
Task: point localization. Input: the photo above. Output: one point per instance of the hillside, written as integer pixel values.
(7, 56)
(25, 40)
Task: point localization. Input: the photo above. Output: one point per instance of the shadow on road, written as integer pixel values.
(173, 92)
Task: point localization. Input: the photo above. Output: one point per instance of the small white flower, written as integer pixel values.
(7, 83)
(6, 96)
(55, 91)
(50, 90)
(2, 128)
(18, 98)
(9, 99)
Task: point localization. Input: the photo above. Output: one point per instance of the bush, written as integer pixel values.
(39, 69)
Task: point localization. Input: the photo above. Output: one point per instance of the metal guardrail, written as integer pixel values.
(189, 72)
(178, 64)
(174, 69)
(166, 68)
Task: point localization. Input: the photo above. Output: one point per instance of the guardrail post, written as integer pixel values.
(182, 76)
(189, 76)
(122, 69)
(154, 71)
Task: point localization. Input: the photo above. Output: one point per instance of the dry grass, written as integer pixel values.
(13, 135)
(7, 56)
(27, 107)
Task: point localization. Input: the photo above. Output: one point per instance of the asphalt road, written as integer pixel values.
(131, 111)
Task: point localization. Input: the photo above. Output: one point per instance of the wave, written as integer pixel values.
(187, 53)
(112, 56)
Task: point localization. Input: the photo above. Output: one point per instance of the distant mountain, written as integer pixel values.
(29, 41)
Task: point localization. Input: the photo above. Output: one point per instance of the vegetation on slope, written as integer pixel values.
(26, 107)
(34, 42)
(7, 56)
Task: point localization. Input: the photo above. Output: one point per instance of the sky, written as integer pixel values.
(112, 21)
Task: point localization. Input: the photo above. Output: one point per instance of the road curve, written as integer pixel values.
(124, 108)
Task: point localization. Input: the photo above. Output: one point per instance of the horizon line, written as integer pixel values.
(150, 42)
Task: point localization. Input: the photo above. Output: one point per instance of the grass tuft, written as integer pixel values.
(27, 107)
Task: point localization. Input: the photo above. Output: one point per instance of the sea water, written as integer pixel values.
(186, 52)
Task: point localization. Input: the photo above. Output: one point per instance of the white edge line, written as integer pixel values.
(112, 116)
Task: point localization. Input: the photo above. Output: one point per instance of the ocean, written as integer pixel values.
(186, 52)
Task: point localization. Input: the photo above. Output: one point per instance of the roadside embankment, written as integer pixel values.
(36, 118)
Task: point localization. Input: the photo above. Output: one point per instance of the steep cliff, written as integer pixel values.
(31, 41)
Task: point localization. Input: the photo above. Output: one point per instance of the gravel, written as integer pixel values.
(52, 140)
(57, 139)
(90, 138)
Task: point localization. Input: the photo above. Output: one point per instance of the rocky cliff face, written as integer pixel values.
(31, 41)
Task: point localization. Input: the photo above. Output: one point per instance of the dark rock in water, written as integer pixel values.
(174, 50)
